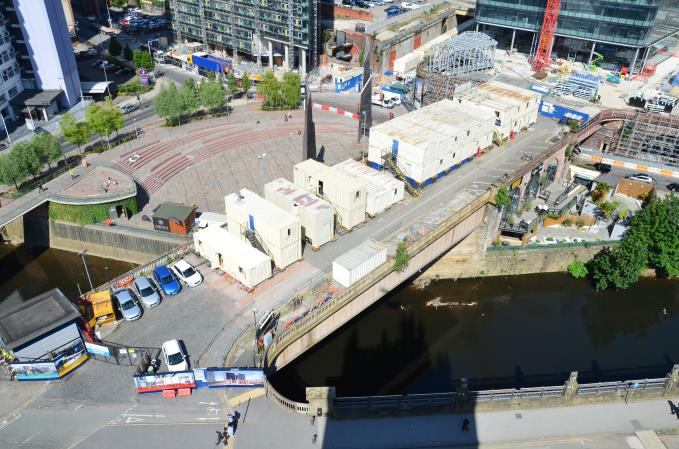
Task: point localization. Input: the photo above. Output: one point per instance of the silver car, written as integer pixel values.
(128, 304)
(147, 291)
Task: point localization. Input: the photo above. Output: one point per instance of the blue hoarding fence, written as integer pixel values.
(551, 110)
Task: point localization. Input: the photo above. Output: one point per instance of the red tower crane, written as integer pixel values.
(546, 35)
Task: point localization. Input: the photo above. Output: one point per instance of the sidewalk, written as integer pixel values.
(514, 428)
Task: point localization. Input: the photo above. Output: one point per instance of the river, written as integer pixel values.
(26, 271)
(501, 332)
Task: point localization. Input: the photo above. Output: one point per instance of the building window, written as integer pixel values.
(358, 194)
(288, 232)
(12, 92)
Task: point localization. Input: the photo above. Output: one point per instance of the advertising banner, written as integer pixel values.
(70, 357)
(35, 370)
(200, 376)
(235, 377)
(147, 383)
(143, 77)
(93, 348)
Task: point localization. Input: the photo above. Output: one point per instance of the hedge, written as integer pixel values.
(89, 213)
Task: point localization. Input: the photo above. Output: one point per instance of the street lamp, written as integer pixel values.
(254, 319)
(87, 272)
(110, 23)
(4, 125)
(261, 170)
(103, 67)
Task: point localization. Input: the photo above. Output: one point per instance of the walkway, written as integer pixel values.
(565, 427)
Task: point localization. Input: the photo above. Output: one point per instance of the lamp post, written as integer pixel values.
(4, 125)
(108, 12)
(261, 170)
(87, 272)
(254, 319)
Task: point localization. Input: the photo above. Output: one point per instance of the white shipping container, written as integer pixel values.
(316, 215)
(278, 231)
(356, 263)
(346, 193)
(233, 256)
(383, 189)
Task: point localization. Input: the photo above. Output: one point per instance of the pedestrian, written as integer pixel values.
(219, 437)
(465, 425)
(40, 189)
(72, 173)
(285, 117)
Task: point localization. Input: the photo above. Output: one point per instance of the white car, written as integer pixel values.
(406, 5)
(189, 275)
(174, 356)
(641, 177)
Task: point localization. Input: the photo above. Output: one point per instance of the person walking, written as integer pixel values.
(465, 425)
(219, 437)
(72, 173)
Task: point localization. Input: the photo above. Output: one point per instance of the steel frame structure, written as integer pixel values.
(435, 86)
(652, 137)
(469, 52)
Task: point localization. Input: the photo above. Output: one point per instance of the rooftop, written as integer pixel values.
(222, 240)
(360, 253)
(173, 210)
(264, 210)
(30, 319)
(325, 173)
(101, 184)
(298, 195)
(437, 122)
(38, 98)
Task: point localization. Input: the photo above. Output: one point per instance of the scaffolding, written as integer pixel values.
(651, 137)
(432, 87)
(468, 52)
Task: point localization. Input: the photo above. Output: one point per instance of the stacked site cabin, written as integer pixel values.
(382, 188)
(232, 255)
(345, 193)
(252, 218)
(356, 263)
(515, 108)
(315, 215)
(429, 142)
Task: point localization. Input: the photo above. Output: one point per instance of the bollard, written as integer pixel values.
(571, 387)
(462, 394)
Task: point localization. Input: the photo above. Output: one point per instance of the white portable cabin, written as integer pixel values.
(514, 108)
(356, 263)
(315, 215)
(249, 216)
(383, 189)
(210, 219)
(233, 256)
(429, 142)
(346, 194)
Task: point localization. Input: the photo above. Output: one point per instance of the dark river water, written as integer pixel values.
(28, 271)
(501, 332)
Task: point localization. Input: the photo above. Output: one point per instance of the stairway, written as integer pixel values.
(393, 168)
(252, 238)
(338, 218)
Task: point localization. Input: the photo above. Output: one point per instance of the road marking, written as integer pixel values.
(145, 416)
(233, 402)
(132, 419)
(209, 403)
(9, 420)
(532, 443)
(206, 419)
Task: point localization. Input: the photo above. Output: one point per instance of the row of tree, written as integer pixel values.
(27, 158)
(103, 120)
(142, 59)
(285, 94)
(172, 103)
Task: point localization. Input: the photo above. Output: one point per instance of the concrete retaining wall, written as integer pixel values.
(112, 242)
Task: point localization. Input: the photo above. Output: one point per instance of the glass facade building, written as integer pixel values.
(250, 27)
(635, 24)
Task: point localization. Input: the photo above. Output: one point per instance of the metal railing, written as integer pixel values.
(376, 27)
(162, 260)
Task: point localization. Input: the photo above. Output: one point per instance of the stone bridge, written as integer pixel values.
(478, 213)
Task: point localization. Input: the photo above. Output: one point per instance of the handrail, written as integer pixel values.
(298, 407)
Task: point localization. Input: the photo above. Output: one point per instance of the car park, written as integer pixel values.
(641, 177)
(174, 355)
(187, 273)
(166, 281)
(147, 292)
(128, 304)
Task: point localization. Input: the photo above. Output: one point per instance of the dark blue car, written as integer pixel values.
(166, 281)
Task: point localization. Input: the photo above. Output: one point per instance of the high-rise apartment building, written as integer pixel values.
(39, 75)
(621, 30)
(252, 28)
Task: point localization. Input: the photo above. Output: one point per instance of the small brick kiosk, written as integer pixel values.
(174, 217)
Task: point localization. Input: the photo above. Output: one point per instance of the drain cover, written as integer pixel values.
(518, 415)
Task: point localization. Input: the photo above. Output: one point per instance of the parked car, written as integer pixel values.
(406, 5)
(673, 187)
(174, 356)
(147, 291)
(128, 107)
(166, 281)
(98, 63)
(189, 275)
(122, 72)
(128, 304)
(603, 168)
(641, 177)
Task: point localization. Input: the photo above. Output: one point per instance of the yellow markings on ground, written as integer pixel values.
(250, 394)
(534, 443)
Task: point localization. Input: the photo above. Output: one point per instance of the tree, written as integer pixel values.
(623, 212)
(402, 258)
(291, 89)
(361, 57)
(188, 98)
(104, 120)
(577, 269)
(114, 48)
(502, 197)
(74, 132)
(167, 103)
(146, 61)
(607, 209)
(245, 83)
(50, 149)
(231, 82)
(10, 171)
(570, 153)
(119, 3)
(212, 94)
(600, 191)
(27, 157)
(270, 89)
(137, 58)
(127, 53)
